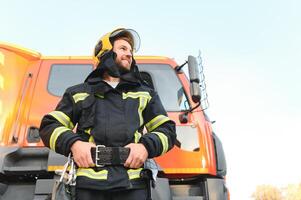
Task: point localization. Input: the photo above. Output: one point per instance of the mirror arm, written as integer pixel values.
(184, 116)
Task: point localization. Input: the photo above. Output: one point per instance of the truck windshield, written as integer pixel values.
(63, 76)
(161, 77)
(164, 80)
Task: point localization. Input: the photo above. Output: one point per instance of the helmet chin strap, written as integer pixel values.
(108, 65)
(113, 71)
(116, 70)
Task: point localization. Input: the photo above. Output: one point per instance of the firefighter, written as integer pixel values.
(110, 111)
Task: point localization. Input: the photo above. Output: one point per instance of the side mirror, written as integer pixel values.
(194, 79)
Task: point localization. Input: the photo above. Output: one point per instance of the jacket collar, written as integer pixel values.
(127, 81)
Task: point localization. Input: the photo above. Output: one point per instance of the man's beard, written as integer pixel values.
(117, 70)
(122, 70)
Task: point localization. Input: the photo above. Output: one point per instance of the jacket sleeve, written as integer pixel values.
(161, 131)
(56, 127)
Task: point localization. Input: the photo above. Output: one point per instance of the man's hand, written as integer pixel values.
(137, 157)
(82, 153)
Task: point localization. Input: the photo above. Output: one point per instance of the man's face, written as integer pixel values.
(124, 53)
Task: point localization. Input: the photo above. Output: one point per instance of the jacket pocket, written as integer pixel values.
(88, 113)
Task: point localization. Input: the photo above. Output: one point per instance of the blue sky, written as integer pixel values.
(251, 54)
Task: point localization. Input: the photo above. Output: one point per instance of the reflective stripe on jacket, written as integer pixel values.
(110, 117)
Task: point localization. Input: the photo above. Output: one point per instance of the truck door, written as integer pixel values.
(55, 76)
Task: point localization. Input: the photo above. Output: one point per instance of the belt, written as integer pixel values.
(102, 155)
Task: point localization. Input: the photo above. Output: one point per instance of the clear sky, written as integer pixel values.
(251, 54)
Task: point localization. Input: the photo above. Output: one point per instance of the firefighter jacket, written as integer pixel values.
(113, 117)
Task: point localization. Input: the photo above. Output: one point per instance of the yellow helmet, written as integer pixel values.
(106, 42)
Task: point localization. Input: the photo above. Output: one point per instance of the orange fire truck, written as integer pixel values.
(32, 84)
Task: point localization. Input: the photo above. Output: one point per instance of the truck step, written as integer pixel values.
(188, 198)
(26, 160)
(24, 191)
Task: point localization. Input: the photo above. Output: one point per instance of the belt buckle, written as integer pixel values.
(96, 156)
